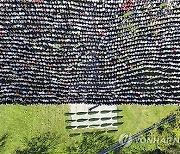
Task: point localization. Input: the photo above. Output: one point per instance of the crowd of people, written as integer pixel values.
(91, 51)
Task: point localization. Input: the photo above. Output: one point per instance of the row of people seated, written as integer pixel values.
(94, 52)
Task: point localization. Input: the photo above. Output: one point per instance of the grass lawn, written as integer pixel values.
(137, 118)
(28, 121)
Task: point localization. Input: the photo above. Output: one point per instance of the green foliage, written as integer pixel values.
(90, 144)
(3, 140)
(69, 114)
(106, 118)
(81, 113)
(163, 134)
(138, 147)
(161, 140)
(156, 151)
(105, 111)
(42, 144)
(93, 112)
(82, 126)
(81, 120)
(163, 4)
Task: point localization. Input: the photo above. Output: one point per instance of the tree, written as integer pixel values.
(161, 140)
(42, 144)
(90, 144)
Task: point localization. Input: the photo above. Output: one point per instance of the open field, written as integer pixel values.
(28, 121)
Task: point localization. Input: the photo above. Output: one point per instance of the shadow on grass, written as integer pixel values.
(42, 144)
(3, 140)
(91, 143)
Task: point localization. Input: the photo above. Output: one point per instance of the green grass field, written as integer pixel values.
(137, 118)
(29, 121)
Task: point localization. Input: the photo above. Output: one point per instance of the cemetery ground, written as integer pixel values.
(25, 122)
